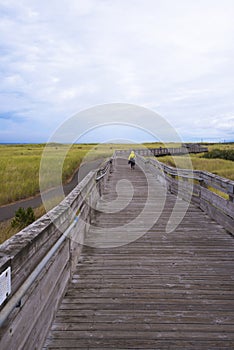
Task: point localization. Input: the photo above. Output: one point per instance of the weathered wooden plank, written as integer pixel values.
(218, 202)
(167, 304)
(16, 332)
(135, 317)
(73, 329)
(36, 338)
(162, 291)
(151, 293)
(162, 345)
(149, 345)
(117, 345)
(134, 335)
(224, 220)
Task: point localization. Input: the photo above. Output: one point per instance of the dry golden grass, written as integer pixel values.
(6, 231)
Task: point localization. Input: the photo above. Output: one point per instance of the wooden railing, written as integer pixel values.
(40, 261)
(157, 152)
(212, 193)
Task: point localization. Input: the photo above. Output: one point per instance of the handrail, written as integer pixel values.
(185, 173)
(34, 249)
(202, 190)
(157, 152)
(103, 171)
(206, 178)
(16, 298)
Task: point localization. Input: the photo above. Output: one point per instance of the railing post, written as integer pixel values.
(111, 165)
(231, 193)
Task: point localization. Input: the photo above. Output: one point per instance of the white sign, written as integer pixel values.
(5, 285)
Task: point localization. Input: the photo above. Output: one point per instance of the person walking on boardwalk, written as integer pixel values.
(132, 160)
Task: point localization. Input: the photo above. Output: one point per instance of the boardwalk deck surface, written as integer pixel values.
(162, 291)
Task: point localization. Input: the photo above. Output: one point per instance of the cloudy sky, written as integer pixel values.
(175, 57)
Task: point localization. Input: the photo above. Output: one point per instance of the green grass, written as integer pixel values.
(221, 146)
(220, 154)
(20, 164)
(19, 168)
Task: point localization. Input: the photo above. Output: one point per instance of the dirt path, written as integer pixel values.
(8, 211)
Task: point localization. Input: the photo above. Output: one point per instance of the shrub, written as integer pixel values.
(221, 154)
(23, 217)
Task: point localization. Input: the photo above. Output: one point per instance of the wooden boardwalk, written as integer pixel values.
(162, 291)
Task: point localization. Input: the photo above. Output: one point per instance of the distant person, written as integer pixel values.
(132, 160)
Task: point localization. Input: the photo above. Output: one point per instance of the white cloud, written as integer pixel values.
(175, 57)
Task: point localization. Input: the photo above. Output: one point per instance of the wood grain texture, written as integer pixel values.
(162, 291)
(29, 321)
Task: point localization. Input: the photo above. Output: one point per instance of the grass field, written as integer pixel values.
(19, 168)
(20, 164)
(222, 146)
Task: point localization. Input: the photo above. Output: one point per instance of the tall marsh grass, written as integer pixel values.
(20, 166)
(221, 167)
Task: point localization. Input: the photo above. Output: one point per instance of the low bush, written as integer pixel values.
(23, 217)
(220, 154)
